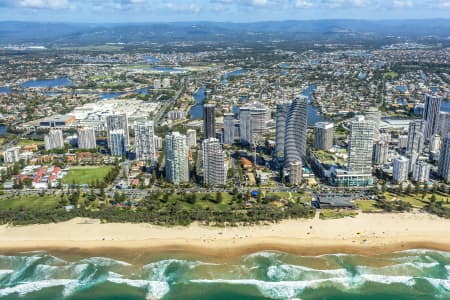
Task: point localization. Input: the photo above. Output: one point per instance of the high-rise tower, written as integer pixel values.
(86, 138)
(323, 135)
(145, 141)
(444, 160)
(431, 113)
(117, 121)
(281, 113)
(209, 120)
(245, 123)
(213, 163)
(177, 165)
(361, 145)
(296, 130)
(415, 137)
(228, 128)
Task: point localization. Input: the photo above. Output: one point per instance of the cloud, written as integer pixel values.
(445, 4)
(360, 3)
(402, 3)
(250, 3)
(257, 2)
(52, 4)
(189, 7)
(303, 4)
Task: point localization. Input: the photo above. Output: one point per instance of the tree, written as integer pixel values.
(433, 198)
(219, 197)
(190, 198)
(417, 188)
(408, 189)
(102, 193)
(64, 200)
(165, 198)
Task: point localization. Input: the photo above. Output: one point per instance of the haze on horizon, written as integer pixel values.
(126, 11)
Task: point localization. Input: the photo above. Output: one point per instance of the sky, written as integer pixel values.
(126, 11)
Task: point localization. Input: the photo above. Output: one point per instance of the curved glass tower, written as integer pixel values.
(296, 129)
(282, 110)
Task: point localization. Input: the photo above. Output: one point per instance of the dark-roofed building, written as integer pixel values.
(56, 121)
(334, 200)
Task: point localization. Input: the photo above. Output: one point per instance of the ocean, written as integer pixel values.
(406, 275)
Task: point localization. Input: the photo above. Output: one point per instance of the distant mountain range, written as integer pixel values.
(12, 32)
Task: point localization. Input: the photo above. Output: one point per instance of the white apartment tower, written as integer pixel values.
(380, 152)
(54, 139)
(176, 152)
(374, 115)
(421, 171)
(444, 122)
(401, 169)
(145, 141)
(415, 137)
(323, 135)
(86, 138)
(11, 155)
(191, 138)
(117, 142)
(296, 173)
(115, 122)
(214, 172)
(361, 146)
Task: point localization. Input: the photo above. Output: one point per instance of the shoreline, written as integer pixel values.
(366, 234)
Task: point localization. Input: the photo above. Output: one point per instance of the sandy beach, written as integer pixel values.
(364, 234)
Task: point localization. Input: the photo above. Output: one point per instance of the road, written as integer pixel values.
(168, 104)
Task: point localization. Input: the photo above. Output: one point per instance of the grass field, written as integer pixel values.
(419, 200)
(25, 142)
(336, 214)
(367, 205)
(201, 202)
(392, 75)
(86, 175)
(32, 202)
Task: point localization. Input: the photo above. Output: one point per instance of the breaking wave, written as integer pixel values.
(275, 275)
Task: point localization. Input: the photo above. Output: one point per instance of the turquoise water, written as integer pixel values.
(413, 274)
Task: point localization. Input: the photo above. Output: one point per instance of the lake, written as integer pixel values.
(231, 74)
(111, 95)
(48, 83)
(5, 90)
(168, 70)
(402, 88)
(3, 129)
(151, 59)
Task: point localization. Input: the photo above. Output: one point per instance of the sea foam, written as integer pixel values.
(30, 287)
